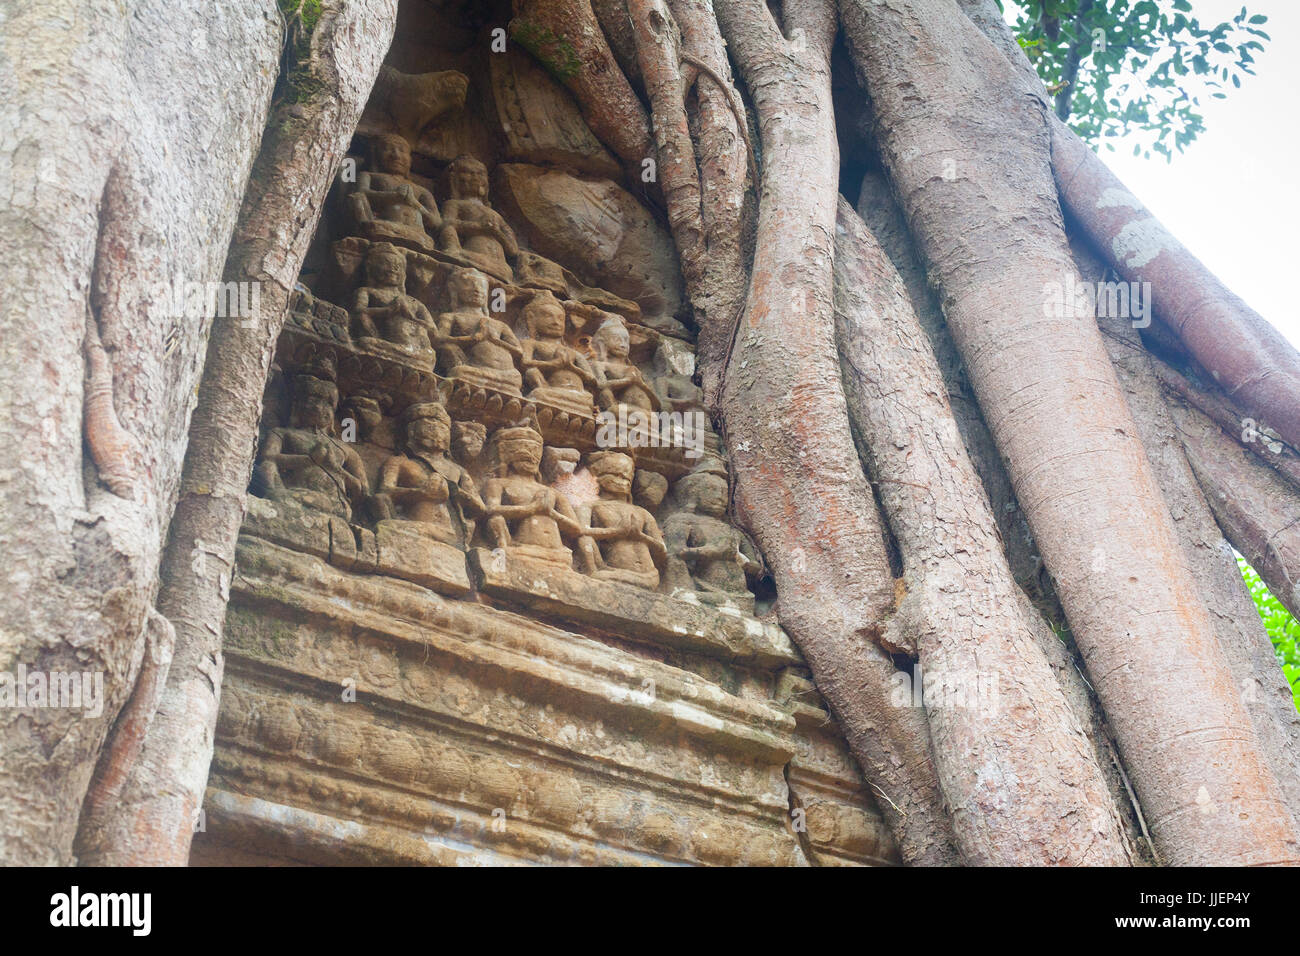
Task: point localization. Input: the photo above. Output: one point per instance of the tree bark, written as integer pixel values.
(1258, 510)
(617, 27)
(1210, 484)
(800, 486)
(126, 160)
(1247, 357)
(722, 154)
(1017, 771)
(989, 226)
(145, 812)
(1226, 479)
(879, 210)
(1210, 558)
(565, 36)
(1267, 447)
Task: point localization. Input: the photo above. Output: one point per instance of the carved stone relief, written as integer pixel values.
(485, 469)
(450, 319)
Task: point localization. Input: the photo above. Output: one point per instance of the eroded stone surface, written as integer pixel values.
(598, 230)
(633, 612)
(489, 604)
(539, 120)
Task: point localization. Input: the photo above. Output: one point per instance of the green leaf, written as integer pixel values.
(1157, 58)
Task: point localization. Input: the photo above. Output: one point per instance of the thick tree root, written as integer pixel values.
(113, 450)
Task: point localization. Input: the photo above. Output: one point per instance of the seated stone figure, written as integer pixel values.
(706, 555)
(423, 488)
(383, 312)
(471, 229)
(673, 377)
(474, 345)
(526, 519)
(386, 205)
(621, 388)
(619, 380)
(555, 372)
(621, 541)
(305, 462)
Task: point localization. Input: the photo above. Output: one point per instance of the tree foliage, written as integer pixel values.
(1119, 67)
(1283, 629)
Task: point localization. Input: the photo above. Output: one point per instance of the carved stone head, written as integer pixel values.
(367, 410)
(614, 472)
(468, 288)
(467, 439)
(314, 402)
(649, 489)
(428, 427)
(611, 340)
(545, 317)
(385, 266)
(704, 493)
(390, 153)
(468, 178)
(518, 449)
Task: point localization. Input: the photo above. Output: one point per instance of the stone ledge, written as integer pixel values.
(421, 560)
(464, 708)
(626, 611)
(494, 644)
(634, 613)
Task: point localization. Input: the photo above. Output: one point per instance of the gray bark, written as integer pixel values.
(968, 149)
(1017, 770)
(879, 209)
(800, 486)
(142, 808)
(124, 160)
(1237, 626)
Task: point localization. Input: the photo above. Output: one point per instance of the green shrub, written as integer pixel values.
(1283, 629)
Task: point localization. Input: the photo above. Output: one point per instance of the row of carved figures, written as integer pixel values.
(469, 343)
(391, 210)
(426, 488)
(386, 204)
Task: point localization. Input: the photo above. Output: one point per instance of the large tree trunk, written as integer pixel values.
(1210, 558)
(879, 210)
(703, 153)
(1247, 357)
(1258, 510)
(968, 151)
(1254, 507)
(799, 484)
(144, 804)
(126, 159)
(565, 36)
(1017, 771)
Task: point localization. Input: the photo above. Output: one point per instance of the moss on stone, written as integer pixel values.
(302, 17)
(307, 11)
(554, 52)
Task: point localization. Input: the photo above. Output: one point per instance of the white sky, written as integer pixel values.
(1233, 197)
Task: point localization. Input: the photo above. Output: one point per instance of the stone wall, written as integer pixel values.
(489, 606)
